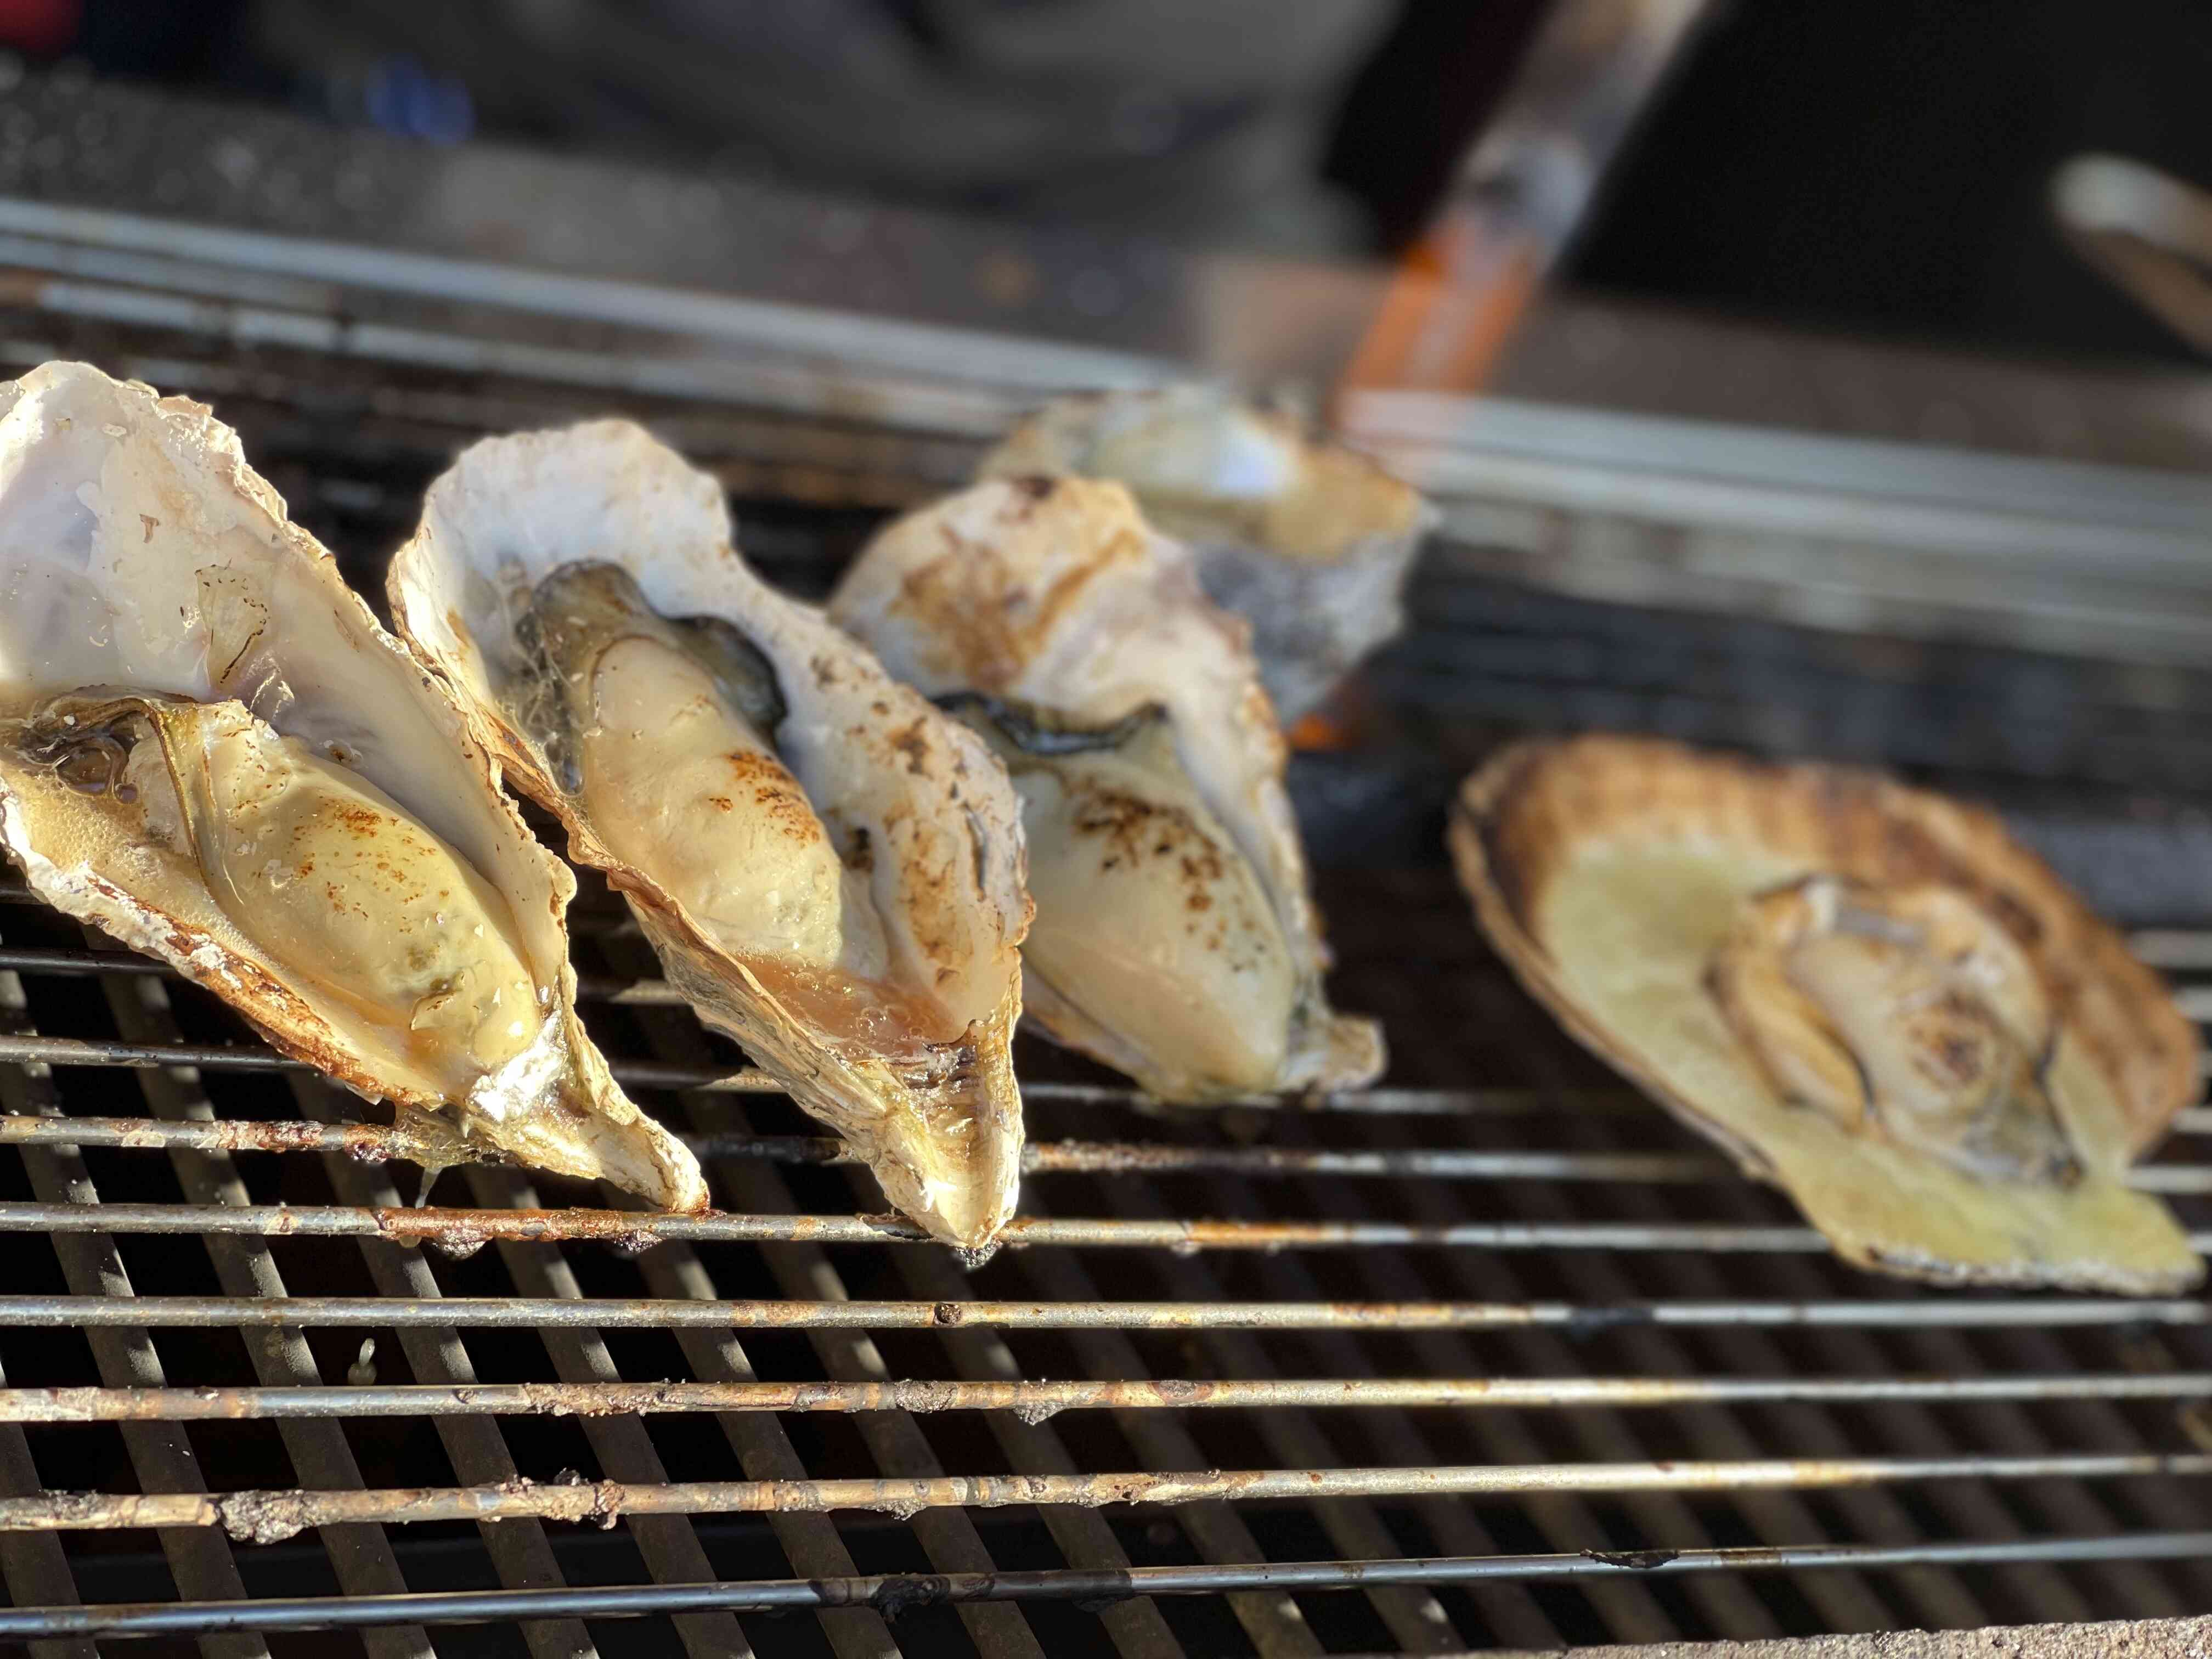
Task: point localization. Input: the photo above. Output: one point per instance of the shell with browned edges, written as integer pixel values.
(210, 748)
(1869, 995)
(830, 869)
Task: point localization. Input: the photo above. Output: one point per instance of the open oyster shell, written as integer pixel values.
(1175, 939)
(830, 868)
(1309, 541)
(209, 748)
(1868, 994)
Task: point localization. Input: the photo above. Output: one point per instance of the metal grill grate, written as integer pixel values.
(1494, 1357)
(1504, 1361)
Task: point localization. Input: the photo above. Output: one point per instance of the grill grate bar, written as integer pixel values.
(1062, 1584)
(1585, 1319)
(2175, 949)
(243, 1057)
(2196, 1001)
(32, 1050)
(34, 959)
(376, 1141)
(271, 1516)
(464, 1231)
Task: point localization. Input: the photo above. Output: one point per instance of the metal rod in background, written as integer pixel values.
(897, 1593)
(266, 1518)
(465, 1231)
(646, 1313)
(1033, 1400)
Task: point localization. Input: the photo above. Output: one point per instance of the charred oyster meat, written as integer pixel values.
(1174, 938)
(830, 868)
(1868, 994)
(209, 748)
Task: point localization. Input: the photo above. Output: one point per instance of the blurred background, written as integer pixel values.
(1883, 166)
(1816, 380)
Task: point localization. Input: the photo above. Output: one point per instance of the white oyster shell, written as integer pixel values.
(1175, 940)
(1309, 541)
(836, 882)
(210, 748)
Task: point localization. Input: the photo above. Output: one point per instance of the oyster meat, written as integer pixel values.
(1870, 995)
(210, 748)
(830, 868)
(1309, 541)
(1175, 939)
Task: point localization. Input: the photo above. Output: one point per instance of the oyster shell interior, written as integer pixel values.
(210, 748)
(1174, 937)
(1309, 541)
(828, 867)
(1869, 995)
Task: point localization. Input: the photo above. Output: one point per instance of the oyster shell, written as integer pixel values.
(830, 868)
(1870, 995)
(210, 748)
(1309, 541)
(1175, 939)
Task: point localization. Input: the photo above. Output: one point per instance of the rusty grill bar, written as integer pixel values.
(1042, 1399)
(1496, 1357)
(269, 1517)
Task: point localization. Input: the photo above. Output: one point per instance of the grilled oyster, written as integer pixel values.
(210, 748)
(1308, 541)
(830, 868)
(1868, 994)
(1175, 939)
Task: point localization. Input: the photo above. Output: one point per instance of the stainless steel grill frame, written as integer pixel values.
(1496, 1358)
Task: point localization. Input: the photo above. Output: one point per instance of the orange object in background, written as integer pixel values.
(39, 28)
(1448, 309)
(1346, 720)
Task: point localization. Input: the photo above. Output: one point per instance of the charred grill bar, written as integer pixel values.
(1494, 1357)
